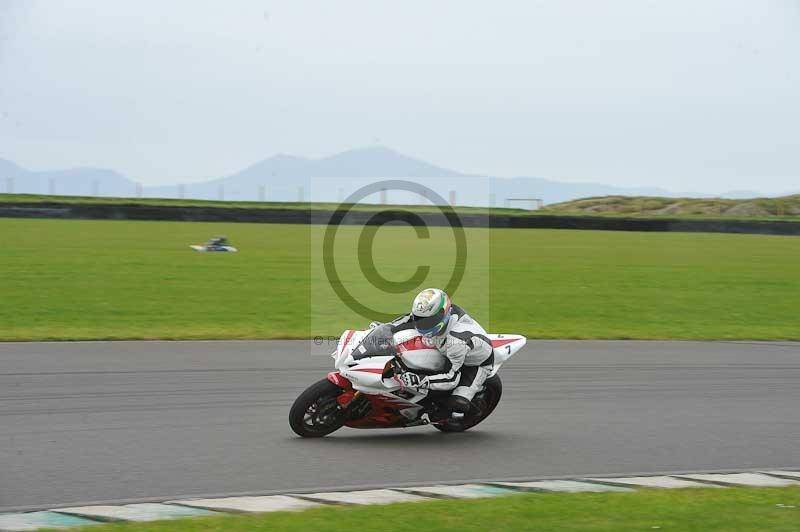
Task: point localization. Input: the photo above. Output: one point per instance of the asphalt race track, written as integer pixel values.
(85, 422)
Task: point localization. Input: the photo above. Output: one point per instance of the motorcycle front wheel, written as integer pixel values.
(316, 413)
(488, 398)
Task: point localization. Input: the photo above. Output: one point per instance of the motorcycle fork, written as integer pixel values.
(355, 408)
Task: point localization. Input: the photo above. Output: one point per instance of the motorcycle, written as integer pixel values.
(364, 391)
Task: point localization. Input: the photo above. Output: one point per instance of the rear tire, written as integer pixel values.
(316, 413)
(493, 391)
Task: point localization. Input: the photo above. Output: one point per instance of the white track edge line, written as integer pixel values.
(401, 485)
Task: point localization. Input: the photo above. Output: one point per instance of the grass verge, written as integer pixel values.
(786, 208)
(93, 280)
(687, 510)
(267, 205)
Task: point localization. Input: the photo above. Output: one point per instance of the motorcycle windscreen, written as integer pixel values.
(379, 342)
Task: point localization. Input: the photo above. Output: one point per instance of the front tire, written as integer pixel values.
(316, 413)
(493, 391)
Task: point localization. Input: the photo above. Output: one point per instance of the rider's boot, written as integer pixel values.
(459, 405)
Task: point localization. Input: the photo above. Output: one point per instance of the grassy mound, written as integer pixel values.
(786, 207)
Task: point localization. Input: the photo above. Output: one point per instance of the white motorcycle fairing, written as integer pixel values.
(365, 390)
(372, 375)
(221, 249)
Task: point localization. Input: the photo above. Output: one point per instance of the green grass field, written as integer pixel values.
(77, 279)
(687, 510)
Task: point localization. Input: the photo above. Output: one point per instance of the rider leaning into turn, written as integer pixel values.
(458, 337)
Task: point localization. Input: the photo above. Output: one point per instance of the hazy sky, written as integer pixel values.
(684, 94)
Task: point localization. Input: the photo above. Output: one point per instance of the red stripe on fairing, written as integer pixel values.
(369, 370)
(349, 335)
(340, 380)
(501, 343)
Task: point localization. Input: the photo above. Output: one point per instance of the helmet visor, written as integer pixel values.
(431, 325)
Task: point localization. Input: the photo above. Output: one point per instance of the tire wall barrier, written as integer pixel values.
(83, 211)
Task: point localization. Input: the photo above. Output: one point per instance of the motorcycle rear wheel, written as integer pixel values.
(316, 413)
(493, 390)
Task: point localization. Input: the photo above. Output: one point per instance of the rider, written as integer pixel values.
(459, 338)
(217, 242)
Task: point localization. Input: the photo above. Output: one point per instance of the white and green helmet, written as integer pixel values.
(431, 311)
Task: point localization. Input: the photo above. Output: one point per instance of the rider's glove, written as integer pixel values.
(412, 380)
(374, 324)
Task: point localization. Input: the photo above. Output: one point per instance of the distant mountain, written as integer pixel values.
(329, 179)
(9, 169)
(379, 161)
(288, 178)
(282, 175)
(71, 182)
(552, 191)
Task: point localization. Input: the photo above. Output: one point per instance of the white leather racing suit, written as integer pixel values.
(468, 352)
